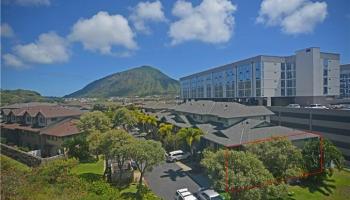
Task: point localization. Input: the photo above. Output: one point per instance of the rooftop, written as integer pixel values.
(46, 110)
(249, 130)
(221, 109)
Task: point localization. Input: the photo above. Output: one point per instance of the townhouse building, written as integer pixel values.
(39, 127)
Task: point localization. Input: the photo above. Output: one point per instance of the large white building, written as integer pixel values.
(308, 76)
(345, 81)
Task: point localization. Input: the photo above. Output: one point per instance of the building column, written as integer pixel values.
(268, 101)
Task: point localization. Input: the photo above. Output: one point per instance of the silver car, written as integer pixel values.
(208, 194)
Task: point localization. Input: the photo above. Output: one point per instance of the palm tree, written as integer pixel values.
(165, 133)
(191, 136)
(151, 124)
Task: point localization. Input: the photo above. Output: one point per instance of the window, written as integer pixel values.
(325, 90)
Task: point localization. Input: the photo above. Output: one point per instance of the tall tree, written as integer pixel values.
(94, 121)
(331, 156)
(166, 134)
(246, 174)
(191, 136)
(77, 147)
(121, 148)
(279, 156)
(124, 118)
(146, 154)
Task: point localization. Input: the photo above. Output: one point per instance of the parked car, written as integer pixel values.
(293, 105)
(317, 106)
(184, 194)
(174, 156)
(208, 194)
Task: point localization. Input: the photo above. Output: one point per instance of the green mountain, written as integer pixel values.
(140, 81)
(19, 96)
(24, 96)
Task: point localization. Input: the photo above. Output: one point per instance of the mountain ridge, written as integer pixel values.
(139, 81)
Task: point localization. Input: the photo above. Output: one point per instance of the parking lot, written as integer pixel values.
(166, 178)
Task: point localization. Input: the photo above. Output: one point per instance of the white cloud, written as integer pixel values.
(29, 2)
(48, 49)
(293, 16)
(6, 30)
(147, 11)
(212, 21)
(102, 31)
(13, 61)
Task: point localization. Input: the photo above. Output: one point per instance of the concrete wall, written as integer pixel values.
(271, 80)
(25, 158)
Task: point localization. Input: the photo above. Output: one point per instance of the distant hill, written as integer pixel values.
(140, 81)
(20, 96)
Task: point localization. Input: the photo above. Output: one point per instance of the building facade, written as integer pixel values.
(39, 127)
(345, 81)
(308, 76)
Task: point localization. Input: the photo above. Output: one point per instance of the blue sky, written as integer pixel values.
(58, 46)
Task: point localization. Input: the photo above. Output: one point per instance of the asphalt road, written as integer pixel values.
(166, 178)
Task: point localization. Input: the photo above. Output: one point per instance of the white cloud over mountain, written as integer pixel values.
(103, 31)
(211, 22)
(145, 12)
(293, 16)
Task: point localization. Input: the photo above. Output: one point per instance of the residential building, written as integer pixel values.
(39, 127)
(309, 76)
(225, 124)
(330, 123)
(345, 81)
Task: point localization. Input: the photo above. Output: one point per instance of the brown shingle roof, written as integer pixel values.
(63, 128)
(20, 127)
(47, 111)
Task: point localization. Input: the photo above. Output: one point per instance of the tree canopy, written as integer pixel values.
(94, 121)
(279, 156)
(147, 154)
(246, 174)
(191, 136)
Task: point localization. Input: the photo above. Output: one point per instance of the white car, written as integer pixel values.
(293, 105)
(208, 194)
(317, 106)
(184, 194)
(177, 155)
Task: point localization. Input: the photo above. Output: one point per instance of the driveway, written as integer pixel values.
(166, 178)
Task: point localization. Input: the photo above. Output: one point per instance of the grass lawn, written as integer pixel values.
(15, 164)
(90, 170)
(335, 188)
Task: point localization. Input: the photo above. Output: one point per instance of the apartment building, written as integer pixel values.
(39, 127)
(308, 76)
(345, 81)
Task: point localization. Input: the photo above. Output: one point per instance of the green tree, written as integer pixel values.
(94, 121)
(146, 154)
(191, 136)
(166, 135)
(77, 147)
(245, 173)
(121, 148)
(124, 118)
(331, 156)
(279, 156)
(94, 141)
(112, 144)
